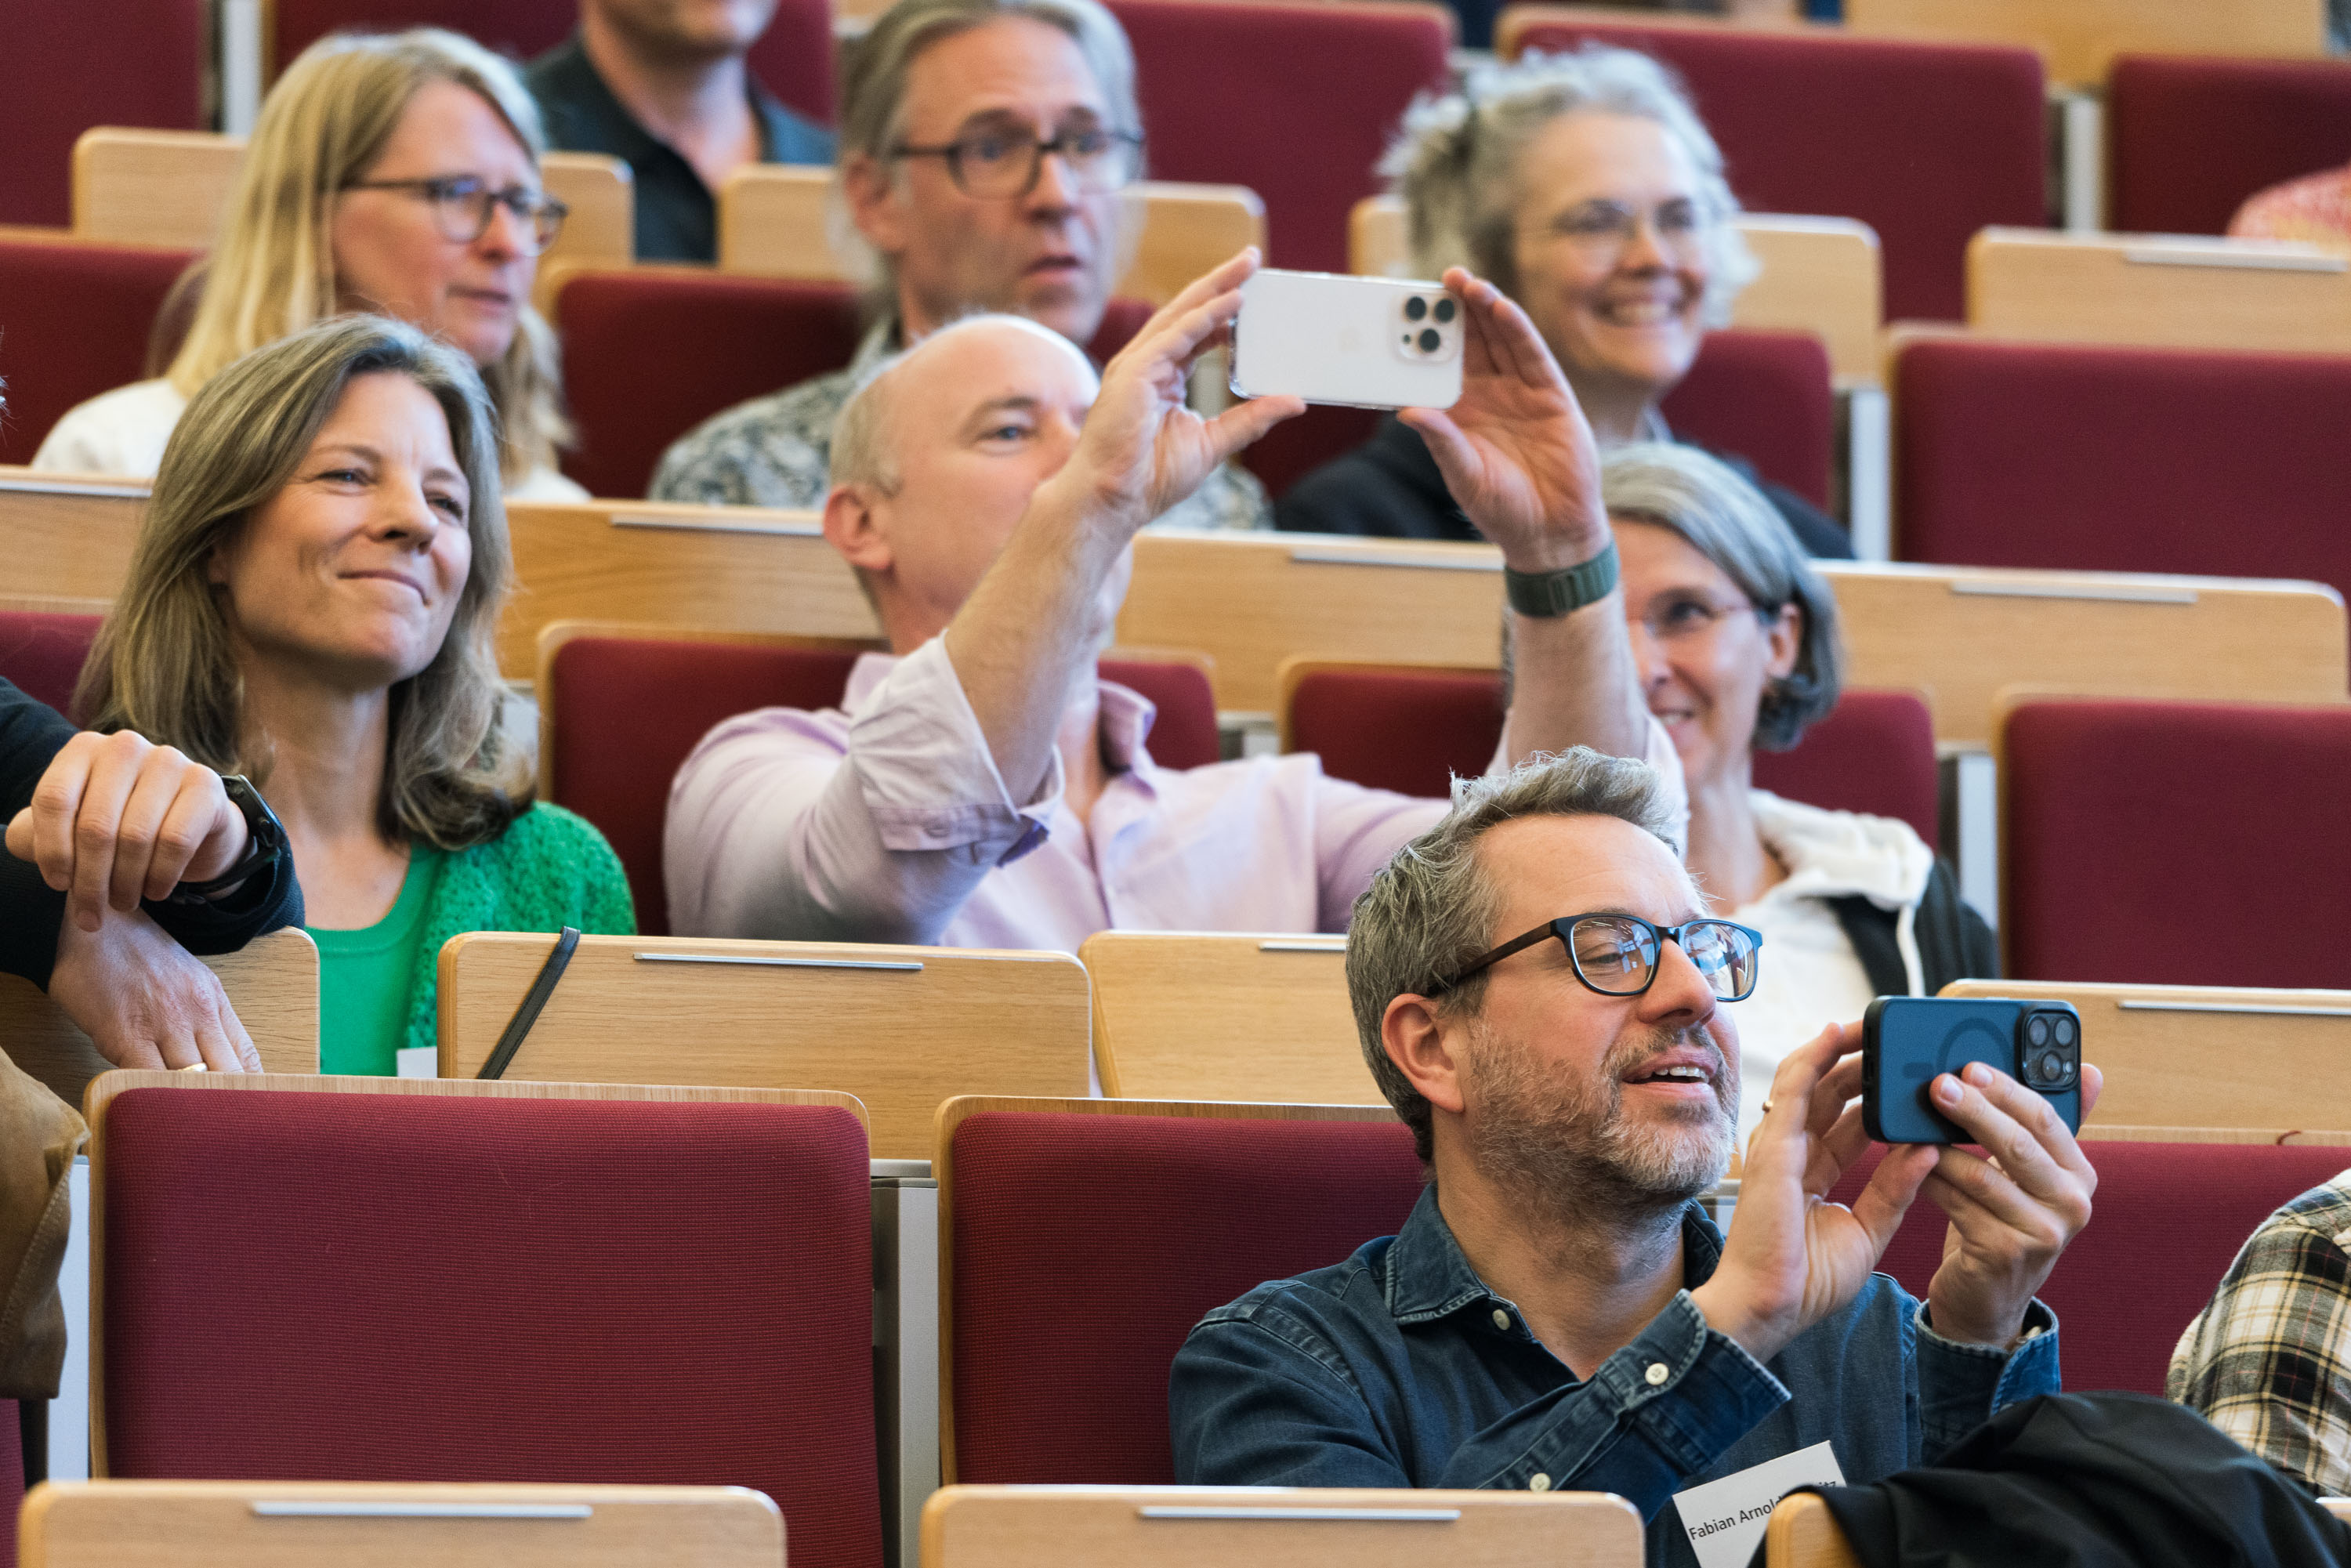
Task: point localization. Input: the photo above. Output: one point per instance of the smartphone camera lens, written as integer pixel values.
(1444, 311)
(2062, 1030)
(2036, 1033)
(1415, 308)
(1430, 340)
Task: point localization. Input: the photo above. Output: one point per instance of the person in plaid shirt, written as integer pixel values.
(2268, 1360)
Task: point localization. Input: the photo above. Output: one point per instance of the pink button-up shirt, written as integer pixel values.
(886, 820)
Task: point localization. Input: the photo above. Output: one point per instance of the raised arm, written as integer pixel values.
(1046, 607)
(1520, 461)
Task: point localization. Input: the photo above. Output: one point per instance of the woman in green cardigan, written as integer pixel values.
(312, 603)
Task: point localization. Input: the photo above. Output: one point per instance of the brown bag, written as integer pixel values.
(39, 1136)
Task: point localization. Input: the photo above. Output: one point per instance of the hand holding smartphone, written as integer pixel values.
(1359, 342)
(1907, 1041)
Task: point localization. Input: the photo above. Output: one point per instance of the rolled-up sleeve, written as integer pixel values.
(785, 827)
(1263, 1401)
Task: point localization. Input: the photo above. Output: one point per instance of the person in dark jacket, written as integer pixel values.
(1587, 189)
(1735, 643)
(123, 860)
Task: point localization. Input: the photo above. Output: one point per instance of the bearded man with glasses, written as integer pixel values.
(986, 148)
(1544, 999)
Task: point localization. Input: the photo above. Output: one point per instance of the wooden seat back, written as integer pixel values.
(272, 982)
(903, 1029)
(67, 535)
(2164, 291)
(2079, 38)
(773, 221)
(1821, 275)
(2274, 1062)
(1802, 1533)
(295, 1524)
(1165, 1527)
(168, 187)
(1211, 1015)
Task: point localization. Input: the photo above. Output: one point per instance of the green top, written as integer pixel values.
(364, 974)
(548, 871)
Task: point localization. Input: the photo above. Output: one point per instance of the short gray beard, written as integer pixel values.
(1562, 1145)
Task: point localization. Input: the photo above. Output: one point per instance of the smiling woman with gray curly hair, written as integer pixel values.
(1586, 187)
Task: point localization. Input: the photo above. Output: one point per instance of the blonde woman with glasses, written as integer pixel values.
(397, 174)
(311, 606)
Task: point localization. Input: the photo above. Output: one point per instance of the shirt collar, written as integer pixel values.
(1429, 1279)
(574, 75)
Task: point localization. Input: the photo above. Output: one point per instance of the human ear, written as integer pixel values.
(1416, 1043)
(857, 526)
(1783, 637)
(876, 203)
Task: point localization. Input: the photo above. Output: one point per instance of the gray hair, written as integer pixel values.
(1455, 161)
(1706, 503)
(873, 71)
(1432, 908)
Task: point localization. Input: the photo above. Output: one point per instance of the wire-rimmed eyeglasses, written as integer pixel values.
(463, 205)
(1617, 954)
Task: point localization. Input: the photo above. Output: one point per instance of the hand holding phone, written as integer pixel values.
(1909, 1041)
(1357, 342)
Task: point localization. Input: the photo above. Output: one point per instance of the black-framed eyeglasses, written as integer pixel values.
(1617, 954)
(998, 164)
(463, 205)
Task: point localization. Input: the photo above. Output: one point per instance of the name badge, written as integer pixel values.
(1726, 1519)
(418, 1061)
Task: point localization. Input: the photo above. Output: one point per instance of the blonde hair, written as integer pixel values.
(163, 665)
(271, 269)
(1455, 161)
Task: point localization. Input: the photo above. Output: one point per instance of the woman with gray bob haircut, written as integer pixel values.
(1587, 189)
(1735, 643)
(312, 603)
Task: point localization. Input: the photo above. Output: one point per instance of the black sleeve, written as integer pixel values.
(1815, 529)
(31, 734)
(1955, 943)
(30, 909)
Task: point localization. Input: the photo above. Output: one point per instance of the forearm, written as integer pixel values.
(1574, 683)
(1037, 621)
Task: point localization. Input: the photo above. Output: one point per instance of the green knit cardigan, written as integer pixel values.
(550, 869)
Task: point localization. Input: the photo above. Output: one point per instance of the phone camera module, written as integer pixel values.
(2053, 1061)
(1431, 328)
(1415, 309)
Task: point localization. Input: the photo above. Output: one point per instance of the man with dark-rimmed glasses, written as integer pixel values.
(1544, 999)
(986, 150)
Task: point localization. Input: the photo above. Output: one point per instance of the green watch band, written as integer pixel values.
(1548, 594)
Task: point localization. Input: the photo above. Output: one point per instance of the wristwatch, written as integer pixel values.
(265, 842)
(1548, 594)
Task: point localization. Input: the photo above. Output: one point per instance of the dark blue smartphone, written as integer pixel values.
(1907, 1042)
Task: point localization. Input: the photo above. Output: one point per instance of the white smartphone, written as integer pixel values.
(1362, 342)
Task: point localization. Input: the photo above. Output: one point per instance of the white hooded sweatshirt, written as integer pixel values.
(1811, 977)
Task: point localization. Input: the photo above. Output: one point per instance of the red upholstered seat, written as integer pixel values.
(74, 323)
(67, 67)
(1925, 142)
(1085, 1248)
(626, 711)
(1407, 730)
(2158, 446)
(414, 1287)
(2184, 843)
(12, 1480)
(723, 340)
(1295, 101)
(793, 57)
(42, 654)
(2166, 1224)
(1766, 397)
(2188, 139)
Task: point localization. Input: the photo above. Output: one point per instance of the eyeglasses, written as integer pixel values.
(1686, 616)
(1004, 164)
(1617, 954)
(1601, 231)
(463, 205)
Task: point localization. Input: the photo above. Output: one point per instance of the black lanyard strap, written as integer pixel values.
(519, 1026)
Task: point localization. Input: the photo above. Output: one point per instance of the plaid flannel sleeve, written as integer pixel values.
(2269, 1359)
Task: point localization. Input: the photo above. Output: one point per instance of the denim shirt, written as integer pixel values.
(1399, 1368)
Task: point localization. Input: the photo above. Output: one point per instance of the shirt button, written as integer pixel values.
(1502, 1320)
(1539, 1482)
(1657, 1373)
